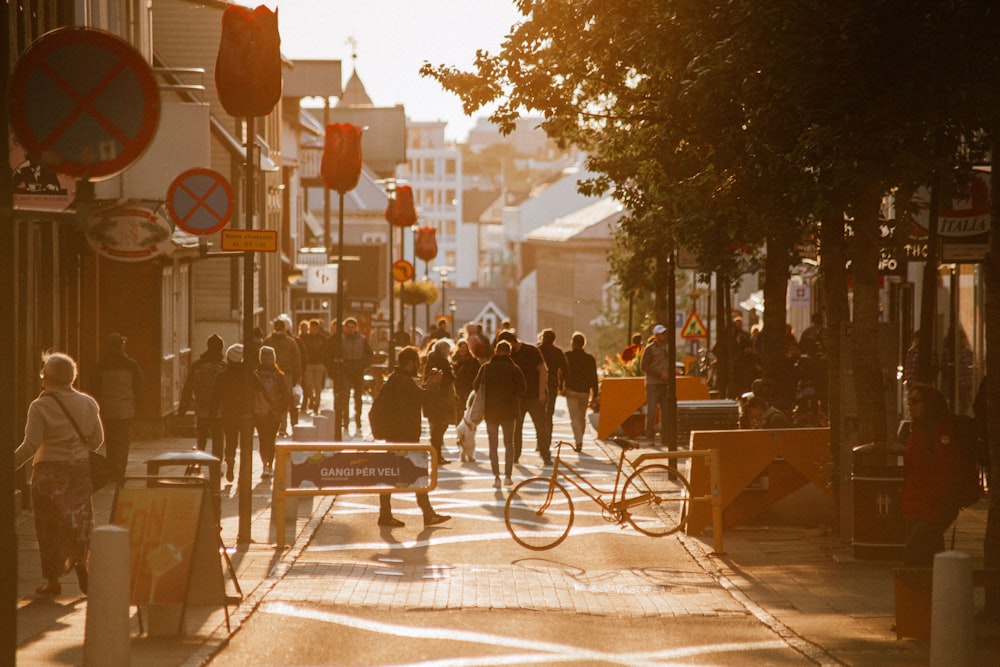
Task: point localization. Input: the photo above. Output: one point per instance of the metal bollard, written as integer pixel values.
(953, 635)
(106, 637)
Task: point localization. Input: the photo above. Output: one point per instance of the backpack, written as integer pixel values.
(270, 400)
(204, 374)
(966, 487)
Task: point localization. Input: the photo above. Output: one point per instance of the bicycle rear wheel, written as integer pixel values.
(538, 513)
(655, 498)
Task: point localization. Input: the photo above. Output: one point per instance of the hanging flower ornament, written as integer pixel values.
(341, 164)
(401, 212)
(248, 67)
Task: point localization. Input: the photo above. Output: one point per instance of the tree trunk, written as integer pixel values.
(864, 335)
(775, 308)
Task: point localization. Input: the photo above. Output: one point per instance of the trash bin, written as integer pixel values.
(711, 415)
(877, 476)
(194, 463)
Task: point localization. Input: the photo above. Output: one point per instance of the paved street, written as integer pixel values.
(347, 592)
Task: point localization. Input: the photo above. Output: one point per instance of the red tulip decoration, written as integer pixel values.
(248, 68)
(401, 212)
(341, 165)
(427, 246)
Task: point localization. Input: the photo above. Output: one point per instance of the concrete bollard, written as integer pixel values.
(324, 427)
(106, 637)
(953, 636)
(303, 433)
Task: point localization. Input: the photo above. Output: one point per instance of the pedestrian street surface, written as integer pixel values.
(464, 593)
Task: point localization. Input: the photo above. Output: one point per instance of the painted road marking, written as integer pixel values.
(537, 651)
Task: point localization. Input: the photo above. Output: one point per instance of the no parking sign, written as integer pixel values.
(200, 201)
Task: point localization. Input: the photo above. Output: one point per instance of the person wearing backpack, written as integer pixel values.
(198, 390)
(930, 475)
(272, 398)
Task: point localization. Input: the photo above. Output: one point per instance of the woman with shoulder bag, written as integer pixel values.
(63, 427)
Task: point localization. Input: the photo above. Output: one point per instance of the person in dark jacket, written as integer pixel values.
(581, 386)
(286, 349)
(439, 408)
(465, 367)
(314, 376)
(536, 381)
(232, 398)
(273, 395)
(198, 390)
(555, 361)
(407, 399)
(117, 388)
(504, 385)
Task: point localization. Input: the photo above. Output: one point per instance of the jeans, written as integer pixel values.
(312, 386)
(210, 427)
(117, 433)
(423, 502)
(267, 432)
(656, 397)
(493, 431)
(576, 403)
(535, 408)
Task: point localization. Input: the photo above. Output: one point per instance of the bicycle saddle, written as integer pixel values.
(625, 443)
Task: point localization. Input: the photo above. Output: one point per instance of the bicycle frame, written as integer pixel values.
(614, 508)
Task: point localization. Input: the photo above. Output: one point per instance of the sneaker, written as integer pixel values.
(267, 473)
(579, 447)
(496, 483)
(546, 462)
(390, 522)
(436, 519)
(230, 471)
(507, 482)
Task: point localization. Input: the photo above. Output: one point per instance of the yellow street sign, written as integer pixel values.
(249, 240)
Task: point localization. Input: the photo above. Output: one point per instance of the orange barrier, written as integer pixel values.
(620, 397)
(743, 455)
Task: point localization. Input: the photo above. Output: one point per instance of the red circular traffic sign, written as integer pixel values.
(84, 101)
(200, 201)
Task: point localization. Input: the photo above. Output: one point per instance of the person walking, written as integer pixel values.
(356, 357)
(582, 388)
(439, 408)
(657, 369)
(555, 361)
(314, 375)
(532, 365)
(465, 368)
(117, 387)
(63, 426)
(404, 399)
(232, 398)
(289, 357)
(931, 468)
(504, 385)
(198, 390)
(272, 396)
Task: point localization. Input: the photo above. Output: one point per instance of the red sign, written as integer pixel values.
(694, 327)
(200, 201)
(84, 102)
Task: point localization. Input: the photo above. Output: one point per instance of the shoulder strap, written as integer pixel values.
(76, 427)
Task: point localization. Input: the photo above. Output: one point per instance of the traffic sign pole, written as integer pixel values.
(246, 448)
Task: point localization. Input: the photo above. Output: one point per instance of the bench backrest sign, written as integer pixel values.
(332, 470)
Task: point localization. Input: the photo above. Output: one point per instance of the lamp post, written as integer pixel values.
(443, 271)
(452, 307)
(390, 193)
(413, 306)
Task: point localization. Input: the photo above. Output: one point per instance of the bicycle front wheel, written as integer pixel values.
(656, 499)
(538, 513)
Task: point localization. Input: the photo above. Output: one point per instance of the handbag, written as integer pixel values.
(100, 469)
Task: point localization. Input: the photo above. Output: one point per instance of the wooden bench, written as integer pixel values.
(913, 597)
(792, 457)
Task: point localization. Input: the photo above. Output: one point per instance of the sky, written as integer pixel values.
(394, 38)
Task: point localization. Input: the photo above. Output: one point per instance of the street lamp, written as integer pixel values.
(443, 271)
(452, 307)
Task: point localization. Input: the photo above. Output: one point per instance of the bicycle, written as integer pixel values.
(654, 500)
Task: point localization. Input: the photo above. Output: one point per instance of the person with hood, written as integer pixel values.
(440, 405)
(403, 399)
(198, 390)
(504, 385)
(117, 387)
(232, 398)
(272, 396)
